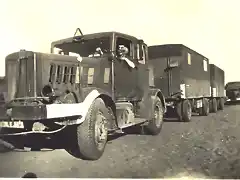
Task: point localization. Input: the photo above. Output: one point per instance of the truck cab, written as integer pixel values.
(88, 86)
(97, 69)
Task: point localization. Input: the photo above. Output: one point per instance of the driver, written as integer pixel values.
(123, 51)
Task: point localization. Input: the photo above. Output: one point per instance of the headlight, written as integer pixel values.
(47, 91)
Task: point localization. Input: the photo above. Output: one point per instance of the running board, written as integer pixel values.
(136, 121)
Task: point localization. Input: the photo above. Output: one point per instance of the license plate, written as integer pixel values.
(14, 124)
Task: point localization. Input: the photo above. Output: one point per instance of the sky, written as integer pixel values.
(210, 27)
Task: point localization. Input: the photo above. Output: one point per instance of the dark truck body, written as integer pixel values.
(76, 89)
(184, 74)
(233, 90)
(3, 89)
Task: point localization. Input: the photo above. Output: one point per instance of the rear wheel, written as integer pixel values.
(221, 104)
(155, 124)
(214, 105)
(92, 133)
(184, 110)
(204, 110)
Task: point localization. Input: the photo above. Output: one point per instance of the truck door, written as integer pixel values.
(143, 81)
(125, 70)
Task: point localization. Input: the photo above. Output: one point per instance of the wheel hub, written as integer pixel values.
(100, 130)
(189, 113)
(158, 116)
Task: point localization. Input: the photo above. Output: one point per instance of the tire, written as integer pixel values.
(221, 104)
(87, 146)
(184, 111)
(204, 110)
(214, 105)
(155, 124)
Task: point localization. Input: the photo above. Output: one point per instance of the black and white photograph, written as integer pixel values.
(120, 89)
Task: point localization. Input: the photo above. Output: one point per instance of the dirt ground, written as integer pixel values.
(206, 146)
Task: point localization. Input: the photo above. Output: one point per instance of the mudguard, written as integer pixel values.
(76, 109)
(147, 103)
(158, 93)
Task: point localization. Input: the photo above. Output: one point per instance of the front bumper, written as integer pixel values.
(42, 112)
(54, 117)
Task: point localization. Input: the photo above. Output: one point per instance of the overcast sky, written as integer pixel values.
(211, 27)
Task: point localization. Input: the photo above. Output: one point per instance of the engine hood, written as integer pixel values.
(25, 70)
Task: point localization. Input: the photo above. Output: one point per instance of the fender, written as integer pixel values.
(158, 93)
(76, 109)
(147, 103)
(87, 90)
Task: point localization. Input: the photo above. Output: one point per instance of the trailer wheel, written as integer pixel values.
(184, 111)
(155, 125)
(92, 133)
(214, 105)
(221, 104)
(204, 110)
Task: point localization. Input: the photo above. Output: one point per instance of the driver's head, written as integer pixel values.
(123, 50)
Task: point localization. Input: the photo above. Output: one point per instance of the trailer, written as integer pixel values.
(183, 75)
(89, 86)
(218, 94)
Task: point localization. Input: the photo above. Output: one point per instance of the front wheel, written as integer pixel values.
(92, 133)
(155, 124)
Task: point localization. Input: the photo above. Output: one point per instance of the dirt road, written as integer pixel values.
(207, 146)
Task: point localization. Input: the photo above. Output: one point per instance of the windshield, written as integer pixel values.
(96, 47)
(233, 85)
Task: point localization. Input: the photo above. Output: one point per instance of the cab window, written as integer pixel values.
(141, 53)
(124, 43)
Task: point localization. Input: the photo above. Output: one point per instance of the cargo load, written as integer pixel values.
(184, 77)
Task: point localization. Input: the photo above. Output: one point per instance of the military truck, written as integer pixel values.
(3, 90)
(233, 90)
(186, 80)
(88, 87)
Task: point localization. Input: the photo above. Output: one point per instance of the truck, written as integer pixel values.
(89, 87)
(233, 90)
(188, 82)
(3, 90)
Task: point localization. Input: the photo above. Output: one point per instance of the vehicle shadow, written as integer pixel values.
(232, 103)
(29, 175)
